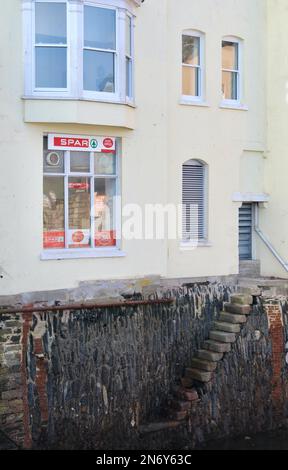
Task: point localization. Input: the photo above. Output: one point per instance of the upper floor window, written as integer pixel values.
(231, 70)
(192, 65)
(79, 49)
(50, 50)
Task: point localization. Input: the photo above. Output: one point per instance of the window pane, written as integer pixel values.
(128, 36)
(190, 50)
(104, 192)
(128, 77)
(190, 81)
(51, 67)
(104, 164)
(79, 212)
(229, 55)
(50, 27)
(99, 71)
(230, 85)
(53, 213)
(80, 162)
(99, 28)
(53, 161)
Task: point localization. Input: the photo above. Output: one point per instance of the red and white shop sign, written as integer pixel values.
(81, 142)
(105, 238)
(82, 186)
(54, 239)
(79, 238)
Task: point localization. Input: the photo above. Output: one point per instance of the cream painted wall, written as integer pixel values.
(274, 219)
(165, 135)
(217, 136)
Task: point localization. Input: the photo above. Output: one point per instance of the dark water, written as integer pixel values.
(276, 440)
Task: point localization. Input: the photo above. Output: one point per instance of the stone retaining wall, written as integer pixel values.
(88, 379)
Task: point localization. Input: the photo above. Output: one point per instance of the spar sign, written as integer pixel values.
(80, 142)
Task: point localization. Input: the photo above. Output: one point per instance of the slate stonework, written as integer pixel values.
(92, 377)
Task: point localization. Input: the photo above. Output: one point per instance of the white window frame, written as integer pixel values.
(92, 252)
(238, 101)
(98, 95)
(129, 98)
(201, 67)
(46, 92)
(201, 241)
(75, 48)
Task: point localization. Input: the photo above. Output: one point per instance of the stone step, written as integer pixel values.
(187, 394)
(199, 375)
(241, 299)
(238, 309)
(227, 327)
(203, 365)
(187, 382)
(209, 355)
(216, 346)
(222, 336)
(232, 318)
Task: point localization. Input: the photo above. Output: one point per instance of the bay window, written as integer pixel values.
(80, 50)
(80, 191)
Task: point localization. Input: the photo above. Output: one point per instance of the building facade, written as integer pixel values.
(115, 113)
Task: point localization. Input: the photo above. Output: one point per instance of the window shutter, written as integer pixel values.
(193, 195)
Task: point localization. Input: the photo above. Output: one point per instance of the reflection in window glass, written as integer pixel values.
(105, 230)
(51, 67)
(104, 164)
(190, 81)
(80, 162)
(99, 71)
(230, 85)
(79, 212)
(53, 161)
(229, 55)
(50, 23)
(53, 212)
(99, 28)
(191, 50)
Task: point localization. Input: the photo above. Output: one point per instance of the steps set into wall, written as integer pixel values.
(224, 333)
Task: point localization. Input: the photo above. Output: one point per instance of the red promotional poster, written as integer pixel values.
(105, 238)
(82, 186)
(55, 239)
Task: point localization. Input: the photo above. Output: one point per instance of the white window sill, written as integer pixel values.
(81, 254)
(193, 102)
(235, 106)
(189, 246)
(77, 98)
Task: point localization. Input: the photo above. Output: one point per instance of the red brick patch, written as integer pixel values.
(276, 331)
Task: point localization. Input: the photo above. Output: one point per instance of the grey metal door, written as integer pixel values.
(245, 231)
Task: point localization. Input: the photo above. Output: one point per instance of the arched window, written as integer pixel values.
(194, 200)
(193, 65)
(231, 69)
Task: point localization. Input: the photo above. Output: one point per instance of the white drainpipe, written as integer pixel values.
(266, 241)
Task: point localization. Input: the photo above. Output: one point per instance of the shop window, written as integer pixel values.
(79, 196)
